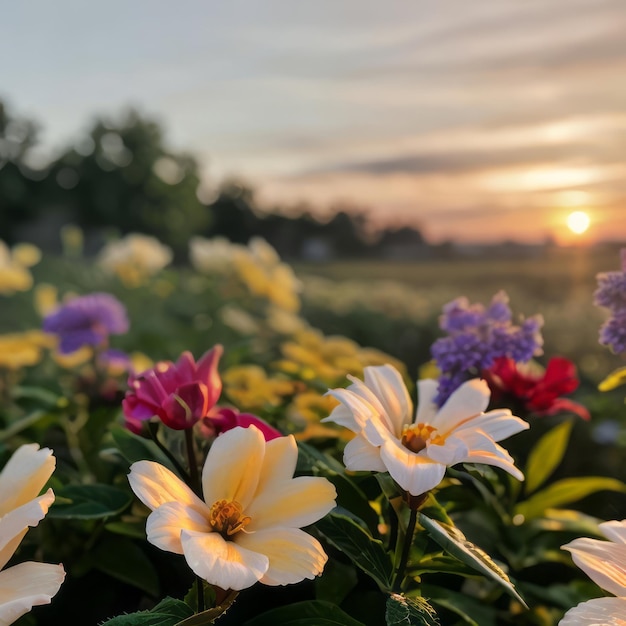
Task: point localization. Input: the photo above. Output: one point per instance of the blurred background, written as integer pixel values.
(397, 154)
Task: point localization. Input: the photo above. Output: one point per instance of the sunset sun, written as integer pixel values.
(578, 222)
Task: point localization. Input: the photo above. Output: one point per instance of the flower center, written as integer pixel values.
(417, 436)
(227, 517)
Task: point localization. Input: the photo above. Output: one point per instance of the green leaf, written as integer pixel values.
(613, 380)
(349, 495)
(21, 424)
(566, 491)
(135, 448)
(336, 582)
(454, 542)
(89, 502)
(402, 611)
(124, 560)
(309, 613)
(472, 611)
(546, 455)
(168, 612)
(365, 552)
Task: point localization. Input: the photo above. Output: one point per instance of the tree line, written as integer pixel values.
(120, 176)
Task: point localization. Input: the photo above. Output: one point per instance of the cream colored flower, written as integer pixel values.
(27, 584)
(605, 563)
(416, 450)
(248, 528)
(135, 258)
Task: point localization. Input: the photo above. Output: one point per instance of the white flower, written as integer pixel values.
(605, 563)
(27, 584)
(247, 529)
(135, 257)
(416, 451)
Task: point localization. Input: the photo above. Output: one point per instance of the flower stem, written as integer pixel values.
(153, 430)
(194, 475)
(406, 548)
(200, 592)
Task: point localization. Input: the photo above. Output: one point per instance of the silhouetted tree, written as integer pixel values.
(122, 175)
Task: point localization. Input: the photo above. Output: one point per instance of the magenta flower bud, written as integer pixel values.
(225, 419)
(179, 394)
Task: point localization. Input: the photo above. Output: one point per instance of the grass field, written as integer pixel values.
(558, 284)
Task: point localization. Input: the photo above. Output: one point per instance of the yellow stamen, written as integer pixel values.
(417, 436)
(227, 517)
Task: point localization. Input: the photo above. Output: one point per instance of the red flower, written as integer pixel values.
(222, 419)
(179, 394)
(538, 392)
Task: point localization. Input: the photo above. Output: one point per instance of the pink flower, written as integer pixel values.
(179, 394)
(539, 392)
(224, 418)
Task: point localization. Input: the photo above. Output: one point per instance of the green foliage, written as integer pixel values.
(453, 541)
(311, 613)
(89, 502)
(363, 550)
(403, 611)
(566, 491)
(168, 612)
(546, 456)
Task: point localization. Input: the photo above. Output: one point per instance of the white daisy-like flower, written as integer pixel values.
(416, 450)
(605, 563)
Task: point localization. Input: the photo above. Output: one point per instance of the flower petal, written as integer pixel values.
(360, 455)
(155, 485)
(342, 415)
(14, 524)
(222, 563)
(24, 476)
(614, 530)
(294, 503)
(415, 473)
(231, 469)
(27, 585)
(293, 555)
(206, 371)
(603, 561)
(165, 524)
(484, 450)
(498, 424)
(469, 400)
(279, 463)
(453, 450)
(426, 406)
(385, 381)
(598, 612)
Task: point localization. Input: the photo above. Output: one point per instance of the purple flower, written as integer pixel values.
(87, 321)
(611, 294)
(477, 336)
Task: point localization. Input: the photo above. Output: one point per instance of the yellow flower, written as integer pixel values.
(29, 584)
(14, 274)
(248, 527)
(46, 298)
(135, 258)
(18, 350)
(249, 387)
(26, 254)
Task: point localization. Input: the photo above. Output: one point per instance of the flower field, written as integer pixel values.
(242, 442)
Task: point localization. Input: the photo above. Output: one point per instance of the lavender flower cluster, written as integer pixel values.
(611, 294)
(87, 321)
(477, 336)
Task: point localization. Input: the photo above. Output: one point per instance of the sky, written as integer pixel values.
(476, 121)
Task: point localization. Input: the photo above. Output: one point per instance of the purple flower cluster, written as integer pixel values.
(611, 294)
(87, 321)
(477, 336)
